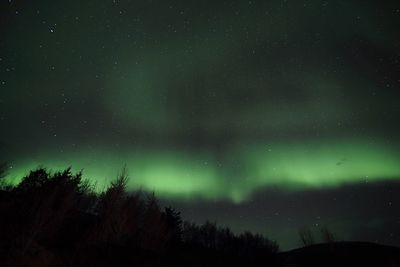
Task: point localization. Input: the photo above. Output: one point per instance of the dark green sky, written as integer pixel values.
(206, 101)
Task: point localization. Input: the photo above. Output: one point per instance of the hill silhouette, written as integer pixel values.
(342, 254)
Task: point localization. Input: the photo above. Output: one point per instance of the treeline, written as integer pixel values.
(57, 219)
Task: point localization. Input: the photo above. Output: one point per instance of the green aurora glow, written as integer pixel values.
(245, 169)
(233, 110)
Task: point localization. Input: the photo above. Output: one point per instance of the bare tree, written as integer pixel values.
(306, 236)
(327, 236)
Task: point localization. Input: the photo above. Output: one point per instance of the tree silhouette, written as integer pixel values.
(57, 219)
(174, 223)
(306, 236)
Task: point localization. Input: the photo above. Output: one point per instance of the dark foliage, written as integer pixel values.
(58, 220)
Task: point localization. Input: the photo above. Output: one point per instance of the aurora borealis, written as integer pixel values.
(212, 104)
(178, 174)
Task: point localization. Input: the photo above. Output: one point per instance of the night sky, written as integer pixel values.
(262, 115)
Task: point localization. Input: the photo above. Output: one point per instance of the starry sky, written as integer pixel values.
(262, 115)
